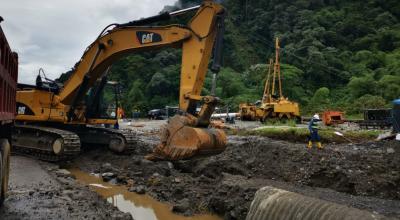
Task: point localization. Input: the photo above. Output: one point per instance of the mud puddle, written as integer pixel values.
(139, 206)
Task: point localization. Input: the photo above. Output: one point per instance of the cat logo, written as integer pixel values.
(145, 37)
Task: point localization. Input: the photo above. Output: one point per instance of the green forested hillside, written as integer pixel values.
(342, 54)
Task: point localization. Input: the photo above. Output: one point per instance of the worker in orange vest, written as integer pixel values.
(120, 113)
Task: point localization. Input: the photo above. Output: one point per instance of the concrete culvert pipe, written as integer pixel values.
(272, 204)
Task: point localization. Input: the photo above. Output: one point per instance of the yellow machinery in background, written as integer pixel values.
(272, 105)
(53, 121)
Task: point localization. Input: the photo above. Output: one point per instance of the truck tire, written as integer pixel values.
(4, 168)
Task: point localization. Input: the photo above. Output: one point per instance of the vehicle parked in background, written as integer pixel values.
(157, 114)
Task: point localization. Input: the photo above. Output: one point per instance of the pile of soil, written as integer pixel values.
(364, 176)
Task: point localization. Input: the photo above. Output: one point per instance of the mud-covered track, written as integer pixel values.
(36, 141)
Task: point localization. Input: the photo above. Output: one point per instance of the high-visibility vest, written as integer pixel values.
(315, 124)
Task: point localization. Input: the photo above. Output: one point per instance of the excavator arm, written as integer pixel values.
(185, 135)
(196, 40)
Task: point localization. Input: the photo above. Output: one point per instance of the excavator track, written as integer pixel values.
(129, 136)
(36, 141)
(131, 140)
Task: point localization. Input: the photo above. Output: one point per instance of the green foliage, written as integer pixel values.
(366, 102)
(360, 86)
(334, 54)
(320, 101)
(301, 134)
(278, 122)
(389, 86)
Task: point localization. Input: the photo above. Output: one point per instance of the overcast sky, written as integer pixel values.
(53, 34)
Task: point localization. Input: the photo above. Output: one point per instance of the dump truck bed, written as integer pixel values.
(8, 80)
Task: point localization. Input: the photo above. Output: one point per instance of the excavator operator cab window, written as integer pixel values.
(103, 102)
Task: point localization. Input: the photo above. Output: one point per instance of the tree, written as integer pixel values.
(360, 86)
(366, 102)
(320, 101)
(352, 49)
(389, 87)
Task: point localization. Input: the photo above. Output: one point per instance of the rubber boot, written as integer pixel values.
(319, 145)
(309, 144)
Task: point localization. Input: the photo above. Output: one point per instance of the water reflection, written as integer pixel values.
(139, 206)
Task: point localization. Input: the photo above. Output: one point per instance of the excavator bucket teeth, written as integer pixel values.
(182, 141)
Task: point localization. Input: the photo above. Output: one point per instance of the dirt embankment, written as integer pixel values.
(364, 176)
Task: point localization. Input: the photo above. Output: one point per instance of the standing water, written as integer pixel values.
(139, 206)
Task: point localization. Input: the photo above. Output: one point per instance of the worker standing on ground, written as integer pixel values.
(313, 127)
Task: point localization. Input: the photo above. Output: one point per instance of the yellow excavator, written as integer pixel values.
(272, 106)
(53, 121)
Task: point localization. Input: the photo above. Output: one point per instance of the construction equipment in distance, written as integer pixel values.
(376, 119)
(54, 121)
(332, 118)
(272, 106)
(8, 87)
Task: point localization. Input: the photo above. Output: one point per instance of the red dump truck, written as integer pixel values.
(8, 86)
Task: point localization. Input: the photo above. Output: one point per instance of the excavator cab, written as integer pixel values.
(102, 101)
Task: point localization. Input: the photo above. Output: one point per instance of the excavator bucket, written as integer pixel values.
(181, 140)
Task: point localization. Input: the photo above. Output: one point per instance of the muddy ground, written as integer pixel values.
(365, 176)
(40, 190)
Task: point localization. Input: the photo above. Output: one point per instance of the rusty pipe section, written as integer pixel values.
(277, 204)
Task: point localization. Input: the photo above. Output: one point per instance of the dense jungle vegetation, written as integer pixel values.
(336, 54)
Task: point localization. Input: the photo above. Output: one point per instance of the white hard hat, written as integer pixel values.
(316, 116)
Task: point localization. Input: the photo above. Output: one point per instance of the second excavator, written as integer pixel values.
(53, 121)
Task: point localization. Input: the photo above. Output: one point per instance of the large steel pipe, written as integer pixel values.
(277, 204)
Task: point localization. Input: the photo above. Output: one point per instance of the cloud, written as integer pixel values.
(54, 34)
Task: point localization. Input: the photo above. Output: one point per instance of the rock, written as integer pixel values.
(138, 189)
(107, 176)
(146, 162)
(68, 193)
(130, 182)
(390, 150)
(113, 181)
(95, 174)
(233, 214)
(177, 192)
(63, 173)
(121, 216)
(177, 180)
(136, 160)
(106, 167)
(170, 165)
(140, 173)
(122, 178)
(156, 175)
(182, 206)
